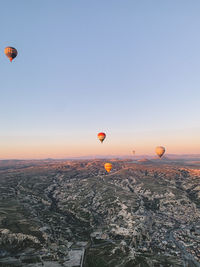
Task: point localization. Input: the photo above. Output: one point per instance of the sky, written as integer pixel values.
(129, 68)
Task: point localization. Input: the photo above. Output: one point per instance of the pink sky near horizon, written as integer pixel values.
(22, 147)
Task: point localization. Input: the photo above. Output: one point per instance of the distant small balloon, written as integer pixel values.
(101, 136)
(133, 152)
(108, 167)
(160, 150)
(10, 52)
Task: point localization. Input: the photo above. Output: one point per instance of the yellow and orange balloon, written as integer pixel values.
(108, 166)
(10, 52)
(160, 150)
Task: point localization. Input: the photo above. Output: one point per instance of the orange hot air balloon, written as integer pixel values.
(101, 136)
(160, 150)
(10, 52)
(108, 167)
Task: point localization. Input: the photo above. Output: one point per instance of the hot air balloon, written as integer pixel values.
(101, 136)
(133, 151)
(160, 150)
(10, 52)
(108, 167)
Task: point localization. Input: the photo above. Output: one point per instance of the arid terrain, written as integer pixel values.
(72, 213)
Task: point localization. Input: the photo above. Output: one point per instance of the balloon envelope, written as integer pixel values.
(108, 167)
(160, 150)
(10, 52)
(101, 136)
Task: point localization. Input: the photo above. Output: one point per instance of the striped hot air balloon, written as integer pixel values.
(10, 52)
(108, 167)
(101, 136)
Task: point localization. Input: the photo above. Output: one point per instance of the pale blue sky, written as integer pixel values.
(129, 68)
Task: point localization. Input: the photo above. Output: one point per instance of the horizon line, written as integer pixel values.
(106, 156)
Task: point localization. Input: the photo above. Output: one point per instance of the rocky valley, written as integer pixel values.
(72, 213)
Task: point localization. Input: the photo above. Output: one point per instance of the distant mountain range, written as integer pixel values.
(147, 157)
(135, 157)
